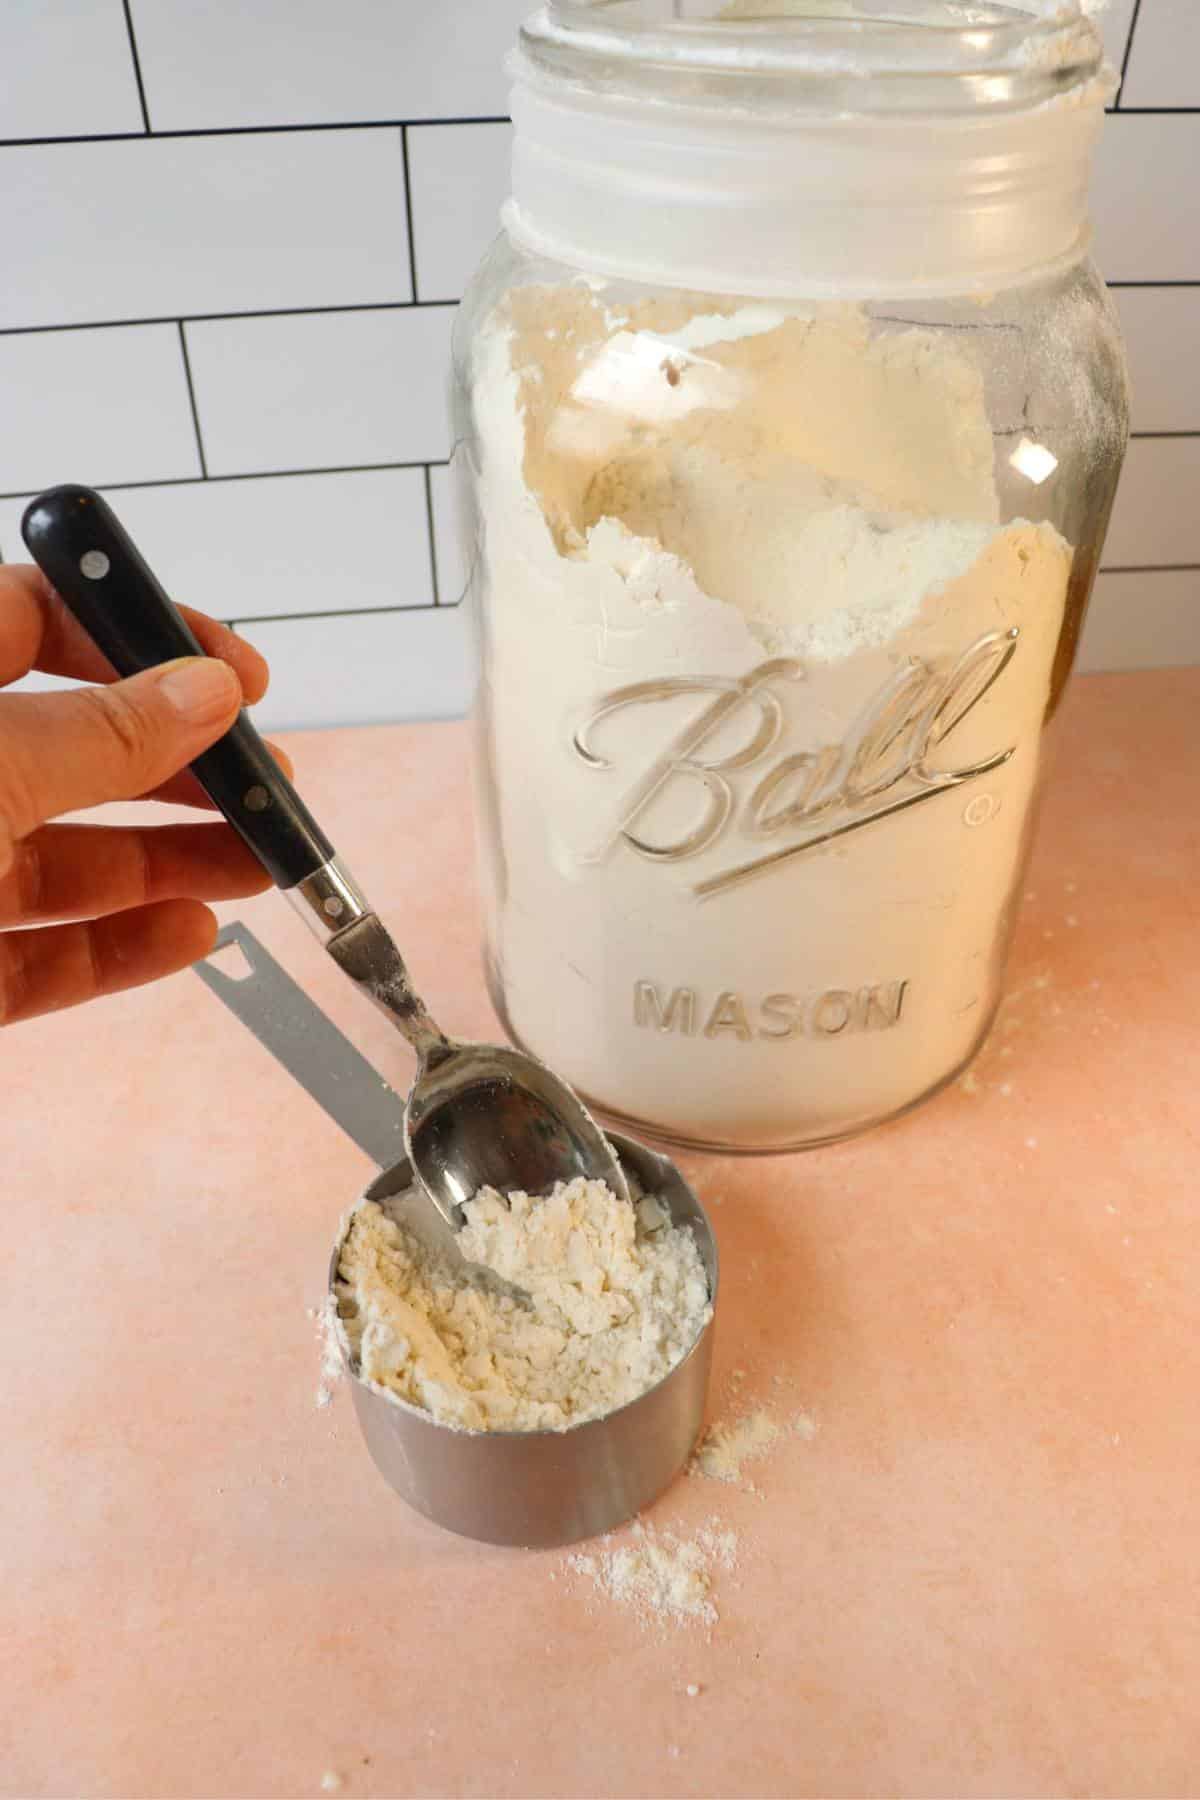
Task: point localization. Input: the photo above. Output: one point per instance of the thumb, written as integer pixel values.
(62, 752)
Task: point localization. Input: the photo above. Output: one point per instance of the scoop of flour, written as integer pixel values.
(613, 1297)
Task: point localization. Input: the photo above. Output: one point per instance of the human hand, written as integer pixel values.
(134, 893)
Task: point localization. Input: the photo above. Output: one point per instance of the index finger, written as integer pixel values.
(37, 632)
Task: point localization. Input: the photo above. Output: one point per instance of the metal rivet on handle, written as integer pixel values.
(94, 564)
(256, 800)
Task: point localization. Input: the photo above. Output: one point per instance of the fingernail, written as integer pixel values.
(202, 689)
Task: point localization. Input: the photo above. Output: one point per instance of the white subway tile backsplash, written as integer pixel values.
(1164, 67)
(1162, 333)
(164, 227)
(369, 669)
(1146, 207)
(322, 390)
(1157, 516)
(94, 406)
(300, 62)
(1143, 621)
(278, 545)
(68, 69)
(361, 669)
(459, 177)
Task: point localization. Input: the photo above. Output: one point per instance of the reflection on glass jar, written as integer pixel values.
(790, 433)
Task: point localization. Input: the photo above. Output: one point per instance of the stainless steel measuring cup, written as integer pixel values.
(529, 1488)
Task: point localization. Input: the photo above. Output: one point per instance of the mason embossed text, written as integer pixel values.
(777, 1017)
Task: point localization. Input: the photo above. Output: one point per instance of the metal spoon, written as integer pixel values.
(477, 1115)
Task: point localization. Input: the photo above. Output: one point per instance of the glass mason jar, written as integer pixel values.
(790, 412)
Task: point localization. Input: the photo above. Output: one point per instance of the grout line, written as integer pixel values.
(169, 481)
(361, 306)
(297, 125)
(1139, 435)
(1137, 7)
(433, 559)
(137, 64)
(1154, 112)
(209, 131)
(408, 214)
(191, 388)
(121, 487)
(337, 612)
(1149, 569)
(269, 312)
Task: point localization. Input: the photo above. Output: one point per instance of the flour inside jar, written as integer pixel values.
(775, 670)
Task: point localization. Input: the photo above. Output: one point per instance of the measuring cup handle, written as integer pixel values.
(291, 1026)
(85, 552)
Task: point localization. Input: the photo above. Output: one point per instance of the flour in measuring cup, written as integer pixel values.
(616, 1296)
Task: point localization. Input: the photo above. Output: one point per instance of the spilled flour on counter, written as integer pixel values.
(332, 1366)
(729, 1444)
(726, 1446)
(662, 1578)
(596, 1300)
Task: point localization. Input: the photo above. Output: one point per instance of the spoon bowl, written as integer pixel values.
(480, 1112)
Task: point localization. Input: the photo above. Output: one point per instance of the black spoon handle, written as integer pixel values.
(85, 552)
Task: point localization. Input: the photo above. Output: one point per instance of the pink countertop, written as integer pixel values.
(981, 1576)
